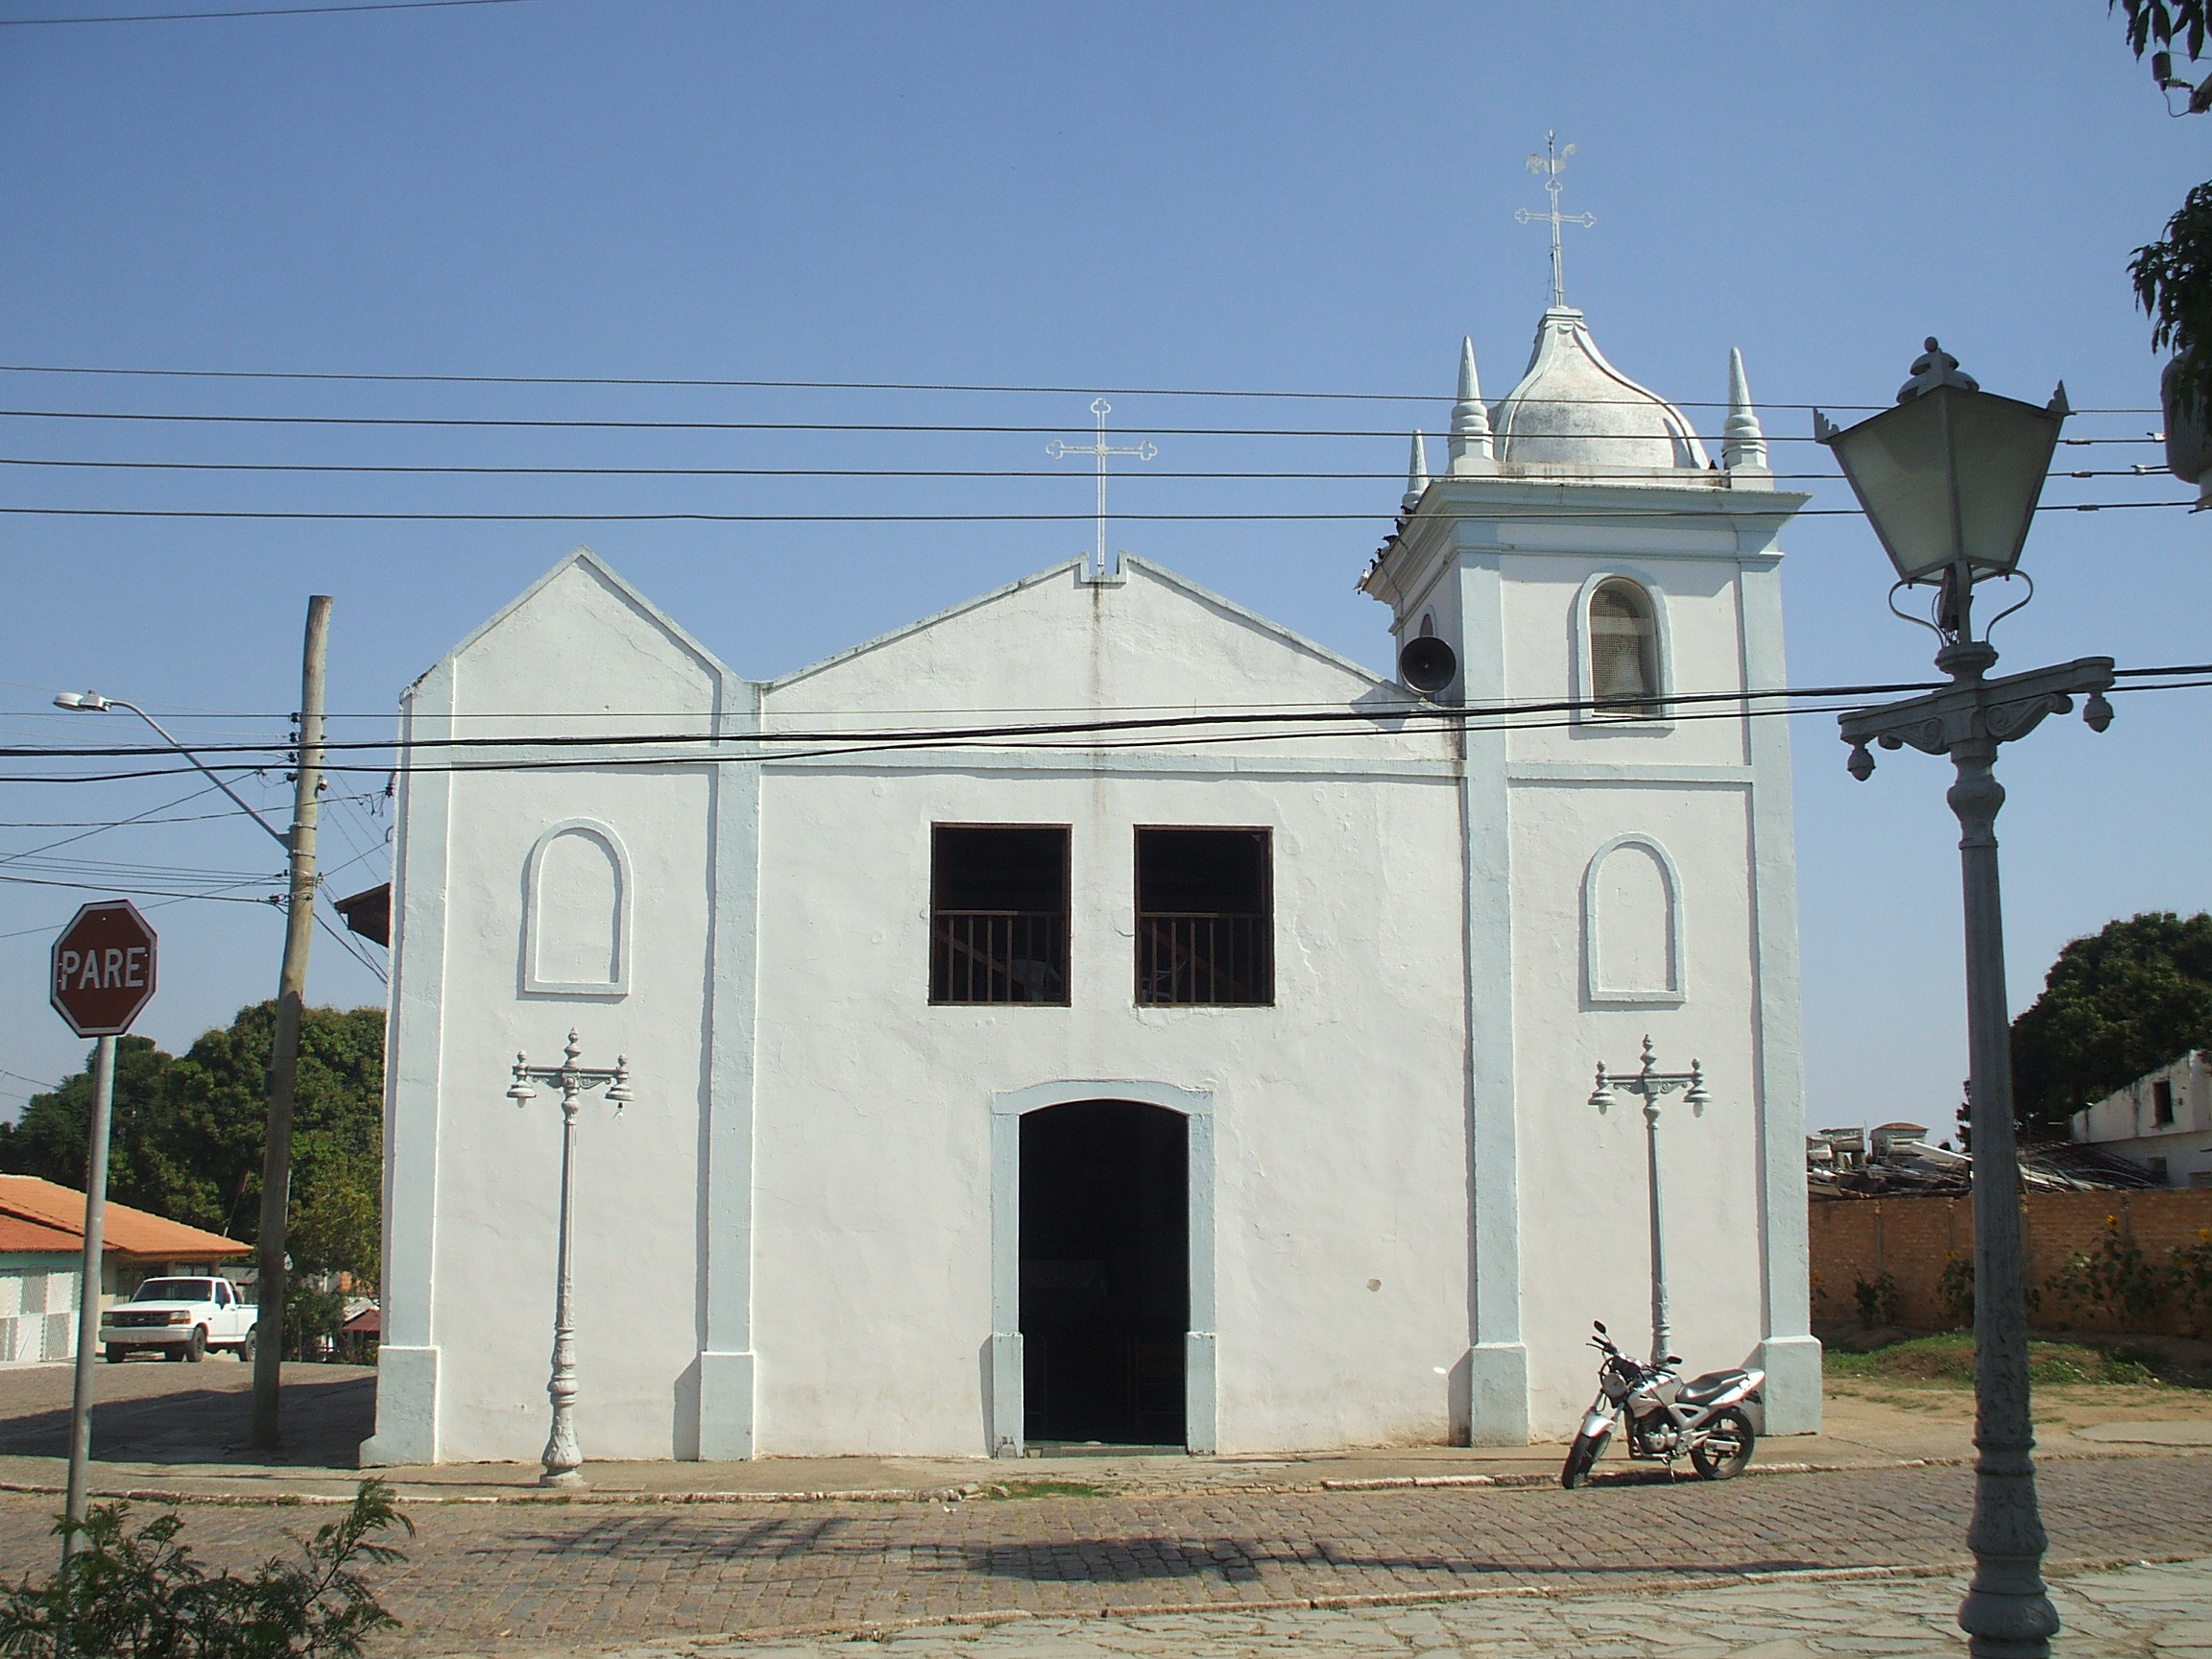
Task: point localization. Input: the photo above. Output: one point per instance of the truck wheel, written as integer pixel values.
(246, 1350)
(195, 1349)
(117, 1353)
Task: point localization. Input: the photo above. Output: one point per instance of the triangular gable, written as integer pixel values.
(907, 631)
(1253, 619)
(629, 595)
(1226, 609)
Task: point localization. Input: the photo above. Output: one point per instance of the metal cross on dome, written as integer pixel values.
(1550, 165)
(1144, 451)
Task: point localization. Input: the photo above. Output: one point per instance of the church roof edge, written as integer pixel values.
(614, 579)
(1129, 561)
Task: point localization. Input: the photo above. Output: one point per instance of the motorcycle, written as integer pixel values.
(1704, 1417)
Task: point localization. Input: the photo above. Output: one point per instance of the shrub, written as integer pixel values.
(2114, 1279)
(1954, 1290)
(311, 1321)
(2190, 1268)
(1948, 1360)
(140, 1595)
(1879, 1299)
(2133, 1362)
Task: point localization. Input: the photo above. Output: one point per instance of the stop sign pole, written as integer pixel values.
(100, 976)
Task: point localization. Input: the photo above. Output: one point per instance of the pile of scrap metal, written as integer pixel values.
(1896, 1160)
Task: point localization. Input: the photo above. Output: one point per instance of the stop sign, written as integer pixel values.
(103, 969)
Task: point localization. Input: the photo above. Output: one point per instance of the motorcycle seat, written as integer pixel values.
(1699, 1389)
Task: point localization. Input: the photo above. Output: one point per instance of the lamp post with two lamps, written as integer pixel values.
(1653, 1084)
(562, 1459)
(1949, 477)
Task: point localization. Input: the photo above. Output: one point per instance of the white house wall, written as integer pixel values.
(2126, 1122)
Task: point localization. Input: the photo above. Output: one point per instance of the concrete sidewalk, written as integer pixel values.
(180, 1430)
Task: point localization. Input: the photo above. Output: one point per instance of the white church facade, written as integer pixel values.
(1223, 1086)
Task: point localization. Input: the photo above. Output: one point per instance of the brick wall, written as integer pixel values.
(1911, 1239)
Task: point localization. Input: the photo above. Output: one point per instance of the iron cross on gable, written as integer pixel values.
(1550, 165)
(1100, 449)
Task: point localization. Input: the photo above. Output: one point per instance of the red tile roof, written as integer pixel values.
(17, 1235)
(26, 1200)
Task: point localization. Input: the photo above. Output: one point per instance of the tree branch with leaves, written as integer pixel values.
(2173, 276)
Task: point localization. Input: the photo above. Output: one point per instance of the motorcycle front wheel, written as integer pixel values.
(1579, 1457)
(1725, 1451)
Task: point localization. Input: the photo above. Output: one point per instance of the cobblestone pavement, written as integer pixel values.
(522, 1579)
(2162, 1612)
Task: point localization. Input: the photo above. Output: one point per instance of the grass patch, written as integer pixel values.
(1045, 1489)
(1948, 1361)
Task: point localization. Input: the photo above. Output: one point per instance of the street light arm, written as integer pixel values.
(274, 834)
(1985, 711)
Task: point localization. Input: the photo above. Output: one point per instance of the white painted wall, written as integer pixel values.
(473, 1181)
(38, 1307)
(1336, 1110)
(788, 1244)
(1698, 805)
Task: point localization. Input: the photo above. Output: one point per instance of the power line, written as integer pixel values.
(2139, 470)
(1540, 515)
(1321, 722)
(1176, 713)
(762, 385)
(171, 876)
(95, 830)
(1089, 722)
(936, 427)
(152, 904)
(119, 887)
(142, 821)
(345, 942)
(257, 12)
(1062, 475)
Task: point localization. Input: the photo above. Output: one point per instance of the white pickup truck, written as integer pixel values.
(178, 1319)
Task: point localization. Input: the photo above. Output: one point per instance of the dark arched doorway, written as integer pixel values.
(1105, 1273)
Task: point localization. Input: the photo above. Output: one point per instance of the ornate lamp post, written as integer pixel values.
(561, 1459)
(1652, 1083)
(1950, 478)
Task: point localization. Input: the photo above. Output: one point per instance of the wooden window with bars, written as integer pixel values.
(1205, 917)
(999, 913)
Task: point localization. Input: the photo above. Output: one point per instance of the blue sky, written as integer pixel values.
(1289, 197)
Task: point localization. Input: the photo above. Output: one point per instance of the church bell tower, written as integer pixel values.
(1584, 562)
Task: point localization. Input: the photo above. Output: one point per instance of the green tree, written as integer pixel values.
(2114, 1007)
(2173, 276)
(188, 1133)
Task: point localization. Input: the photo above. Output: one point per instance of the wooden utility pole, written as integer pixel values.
(284, 1045)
